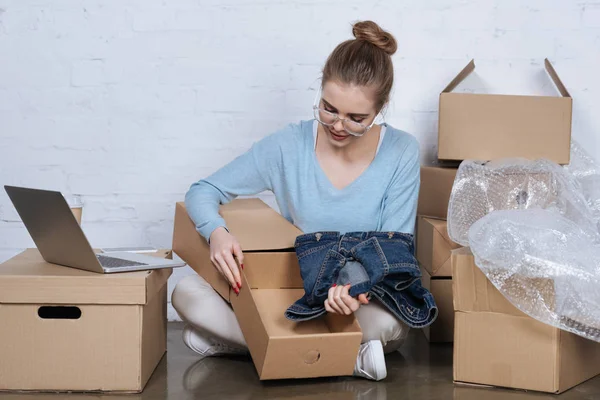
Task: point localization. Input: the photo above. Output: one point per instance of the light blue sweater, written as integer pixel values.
(383, 198)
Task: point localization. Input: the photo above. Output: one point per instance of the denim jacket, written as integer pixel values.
(381, 264)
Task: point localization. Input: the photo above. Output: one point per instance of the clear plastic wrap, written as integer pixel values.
(544, 264)
(513, 184)
(587, 172)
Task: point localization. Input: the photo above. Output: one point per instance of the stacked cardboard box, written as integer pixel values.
(271, 282)
(495, 343)
(482, 127)
(434, 246)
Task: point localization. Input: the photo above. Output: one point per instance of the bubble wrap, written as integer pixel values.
(587, 173)
(543, 263)
(512, 184)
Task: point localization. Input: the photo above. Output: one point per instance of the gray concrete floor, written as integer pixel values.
(418, 371)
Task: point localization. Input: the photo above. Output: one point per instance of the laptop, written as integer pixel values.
(60, 239)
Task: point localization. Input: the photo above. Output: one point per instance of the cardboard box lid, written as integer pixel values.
(257, 226)
(28, 279)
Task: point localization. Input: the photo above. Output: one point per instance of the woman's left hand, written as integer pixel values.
(340, 302)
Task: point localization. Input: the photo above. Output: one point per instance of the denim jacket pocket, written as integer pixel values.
(398, 252)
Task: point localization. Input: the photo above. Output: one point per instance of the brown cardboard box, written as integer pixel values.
(271, 282)
(435, 190)
(496, 344)
(434, 247)
(442, 330)
(65, 329)
(486, 126)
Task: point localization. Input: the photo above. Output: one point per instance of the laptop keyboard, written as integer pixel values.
(112, 262)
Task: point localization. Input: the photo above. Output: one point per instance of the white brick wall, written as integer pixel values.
(129, 102)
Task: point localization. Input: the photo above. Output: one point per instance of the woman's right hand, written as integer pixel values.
(223, 247)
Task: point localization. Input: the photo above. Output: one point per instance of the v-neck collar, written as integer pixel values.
(323, 175)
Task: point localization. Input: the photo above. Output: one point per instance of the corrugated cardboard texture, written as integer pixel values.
(108, 347)
(579, 360)
(254, 224)
(245, 217)
(277, 270)
(486, 127)
(435, 190)
(434, 247)
(193, 249)
(316, 348)
(474, 292)
(99, 351)
(504, 350)
(154, 334)
(251, 324)
(271, 282)
(520, 352)
(442, 330)
(27, 278)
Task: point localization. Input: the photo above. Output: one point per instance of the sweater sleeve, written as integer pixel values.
(400, 203)
(248, 174)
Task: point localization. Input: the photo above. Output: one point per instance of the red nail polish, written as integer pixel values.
(236, 290)
(242, 265)
(239, 285)
(334, 285)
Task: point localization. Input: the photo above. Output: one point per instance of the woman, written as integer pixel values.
(338, 172)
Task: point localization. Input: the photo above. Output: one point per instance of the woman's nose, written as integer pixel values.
(339, 126)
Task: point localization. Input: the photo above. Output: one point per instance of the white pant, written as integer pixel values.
(198, 304)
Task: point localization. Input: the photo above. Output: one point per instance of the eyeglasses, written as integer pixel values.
(328, 118)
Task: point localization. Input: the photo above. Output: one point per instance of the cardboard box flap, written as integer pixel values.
(247, 220)
(441, 226)
(554, 76)
(460, 77)
(470, 67)
(28, 279)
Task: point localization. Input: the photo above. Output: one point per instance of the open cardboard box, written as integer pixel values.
(271, 282)
(487, 126)
(496, 344)
(65, 329)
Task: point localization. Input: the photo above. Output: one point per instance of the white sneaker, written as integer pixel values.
(206, 347)
(370, 363)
